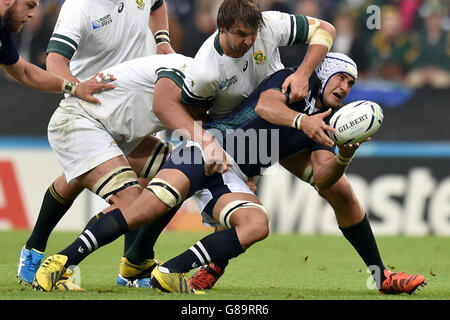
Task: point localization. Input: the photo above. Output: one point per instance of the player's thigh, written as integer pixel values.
(224, 206)
(149, 156)
(114, 181)
(166, 191)
(175, 178)
(297, 163)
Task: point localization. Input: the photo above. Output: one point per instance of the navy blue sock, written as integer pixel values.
(361, 237)
(142, 248)
(218, 246)
(107, 228)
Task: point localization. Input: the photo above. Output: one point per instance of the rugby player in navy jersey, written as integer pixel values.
(225, 199)
(13, 15)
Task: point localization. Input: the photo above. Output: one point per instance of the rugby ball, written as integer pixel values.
(356, 121)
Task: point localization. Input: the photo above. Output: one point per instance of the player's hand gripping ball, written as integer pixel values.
(356, 121)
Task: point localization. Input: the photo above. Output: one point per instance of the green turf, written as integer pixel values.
(282, 267)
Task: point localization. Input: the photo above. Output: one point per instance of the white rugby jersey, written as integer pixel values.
(127, 110)
(95, 35)
(220, 82)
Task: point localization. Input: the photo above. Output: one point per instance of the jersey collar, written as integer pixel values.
(217, 44)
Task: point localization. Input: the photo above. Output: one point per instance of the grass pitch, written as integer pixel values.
(282, 267)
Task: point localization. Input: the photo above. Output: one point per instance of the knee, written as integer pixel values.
(341, 192)
(260, 228)
(125, 197)
(68, 191)
(254, 228)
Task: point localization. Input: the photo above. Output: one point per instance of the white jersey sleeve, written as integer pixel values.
(95, 35)
(70, 28)
(201, 84)
(286, 29)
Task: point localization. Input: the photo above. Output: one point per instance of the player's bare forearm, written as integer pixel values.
(272, 107)
(158, 19)
(314, 56)
(320, 41)
(320, 37)
(159, 22)
(34, 77)
(59, 65)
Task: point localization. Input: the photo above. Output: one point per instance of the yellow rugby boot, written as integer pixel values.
(135, 275)
(68, 283)
(166, 281)
(50, 272)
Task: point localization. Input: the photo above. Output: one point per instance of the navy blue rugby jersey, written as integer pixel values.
(255, 143)
(8, 51)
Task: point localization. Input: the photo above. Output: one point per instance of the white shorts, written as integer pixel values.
(81, 142)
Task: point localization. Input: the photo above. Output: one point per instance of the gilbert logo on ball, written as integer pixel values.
(356, 121)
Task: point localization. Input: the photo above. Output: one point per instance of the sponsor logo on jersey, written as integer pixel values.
(104, 21)
(259, 57)
(121, 7)
(227, 83)
(245, 66)
(140, 4)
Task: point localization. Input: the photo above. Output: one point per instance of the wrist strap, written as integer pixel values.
(297, 121)
(69, 87)
(161, 36)
(342, 160)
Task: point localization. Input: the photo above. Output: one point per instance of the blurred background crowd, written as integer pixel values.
(404, 41)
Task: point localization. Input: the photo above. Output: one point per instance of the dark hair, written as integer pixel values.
(234, 12)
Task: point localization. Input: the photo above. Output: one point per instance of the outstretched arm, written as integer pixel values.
(36, 78)
(272, 107)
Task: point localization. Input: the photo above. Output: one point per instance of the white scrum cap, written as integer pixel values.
(333, 63)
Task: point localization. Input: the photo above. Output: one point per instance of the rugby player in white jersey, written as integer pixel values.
(91, 36)
(107, 149)
(244, 50)
(233, 61)
(13, 15)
